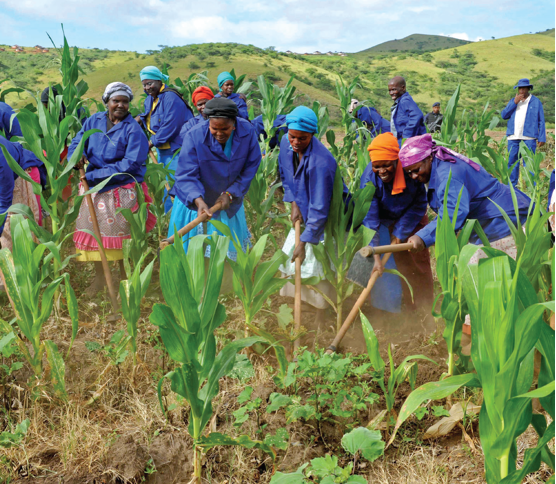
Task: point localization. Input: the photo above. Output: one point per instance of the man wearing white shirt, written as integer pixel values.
(526, 124)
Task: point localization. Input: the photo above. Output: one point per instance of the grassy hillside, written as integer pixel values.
(415, 42)
(487, 71)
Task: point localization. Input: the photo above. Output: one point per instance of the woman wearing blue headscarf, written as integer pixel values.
(226, 83)
(307, 170)
(217, 163)
(165, 114)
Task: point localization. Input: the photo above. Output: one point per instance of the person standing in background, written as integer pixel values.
(407, 119)
(433, 120)
(526, 123)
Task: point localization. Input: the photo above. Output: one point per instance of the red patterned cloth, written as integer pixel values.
(114, 228)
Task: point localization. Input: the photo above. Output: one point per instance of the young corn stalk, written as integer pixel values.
(187, 323)
(405, 370)
(507, 325)
(274, 101)
(344, 235)
(24, 277)
(157, 179)
(132, 292)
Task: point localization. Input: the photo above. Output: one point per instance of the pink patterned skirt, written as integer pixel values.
(114, 228)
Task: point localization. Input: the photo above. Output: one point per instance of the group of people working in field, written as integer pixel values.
(219, 155)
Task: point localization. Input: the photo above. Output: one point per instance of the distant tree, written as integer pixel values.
(193, 65)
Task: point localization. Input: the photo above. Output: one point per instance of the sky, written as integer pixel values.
(297, 25)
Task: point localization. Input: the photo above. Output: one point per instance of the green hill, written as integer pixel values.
(547, 32)
(415, 42)
(487, 70)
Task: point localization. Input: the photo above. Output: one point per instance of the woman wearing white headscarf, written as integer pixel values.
(120, 150)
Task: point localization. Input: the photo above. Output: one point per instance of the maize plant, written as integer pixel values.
(323, 117)
(24, 276)
(157, 178)
(448, 130)
(472, 139)
(132, 292)
(187, 323)
(274, 101)
(507, 325)
(344, 235)
(137, 221)
(405, 370)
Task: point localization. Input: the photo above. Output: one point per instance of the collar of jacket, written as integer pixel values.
(120, 125)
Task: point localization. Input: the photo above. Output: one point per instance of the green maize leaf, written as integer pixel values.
(433, 391)
(215, 438)
(368, 442)
(209, 348)
(540, 425)
(185, 383)
(517, 416)
(12, 288)
(223, 364)
(372, 344)
(57, 369)
(174, 282)
(545, 345)
(531, 460)
(196, 260)
(180, 345)
(215, 272)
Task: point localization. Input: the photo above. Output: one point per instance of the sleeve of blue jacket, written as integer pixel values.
(321, 185)
(11, 128)
(509, 109)
(242, 108)
(136, 153)
(240, 187)
(187, 173)
(288, 194)
(174, 119)
(415, 124)
(408, 221)
(6, 187)
(372, 219)
(542, 127)
(428, 233)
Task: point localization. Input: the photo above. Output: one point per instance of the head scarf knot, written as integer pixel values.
(220, 107)
(202, 92)
(153, 74)
(385, 148)
(418, 148)
(117, 89)
(223, 77)
(302, 119)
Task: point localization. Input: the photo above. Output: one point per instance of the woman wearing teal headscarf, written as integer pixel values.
(226, 83)
(165, 114)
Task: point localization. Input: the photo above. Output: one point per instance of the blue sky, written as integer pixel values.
(298, 25)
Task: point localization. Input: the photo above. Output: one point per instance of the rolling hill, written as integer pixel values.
(487, 71)
(415, 42)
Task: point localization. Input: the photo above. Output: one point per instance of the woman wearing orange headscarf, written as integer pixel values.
(200, 97)
(397, 211)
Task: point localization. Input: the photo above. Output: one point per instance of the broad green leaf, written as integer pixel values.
(368, 442)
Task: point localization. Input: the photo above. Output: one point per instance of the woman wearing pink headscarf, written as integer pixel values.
(425, 161)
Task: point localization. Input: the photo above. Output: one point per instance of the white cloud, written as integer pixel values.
(461, 36)
(423, 8)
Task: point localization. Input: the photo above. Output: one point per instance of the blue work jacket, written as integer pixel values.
(311, 186)
(480, 190)
(167, 119)
(279, 122)
(408, 118)
(6, 112)
(191, 124)
(25, 159)
(404, 210)
(534, 119)
(204, 170)
(376, 124)
(241, 104)
(123, 149)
